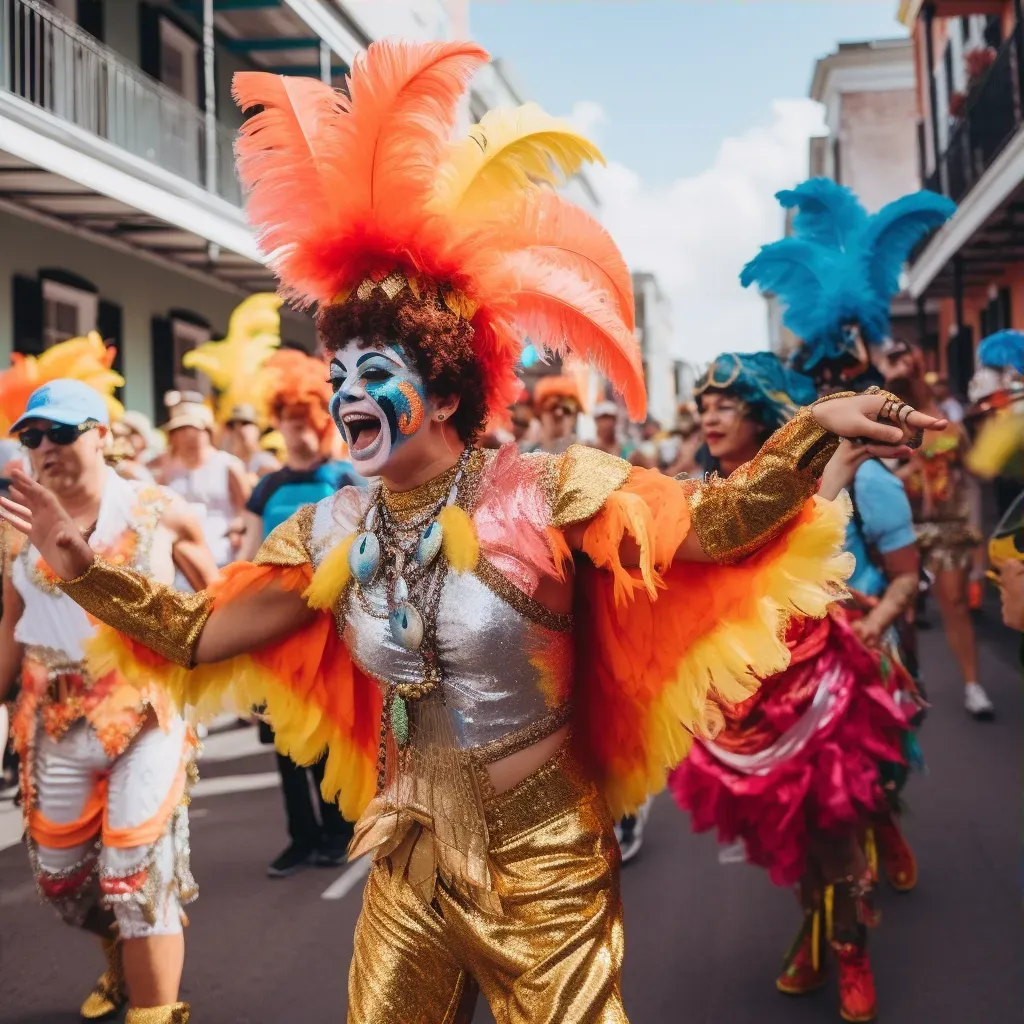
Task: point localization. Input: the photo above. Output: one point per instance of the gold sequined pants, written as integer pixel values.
(555, 953)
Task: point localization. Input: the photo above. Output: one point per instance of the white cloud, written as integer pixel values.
(586, 117)
(696, 234)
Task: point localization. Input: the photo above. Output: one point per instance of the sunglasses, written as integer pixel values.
(561, 410)
(60, 433)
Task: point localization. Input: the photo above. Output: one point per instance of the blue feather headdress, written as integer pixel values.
(837, 274)
(773, 391)
(1003, 350)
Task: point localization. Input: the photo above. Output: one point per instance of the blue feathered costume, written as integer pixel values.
(836, 275)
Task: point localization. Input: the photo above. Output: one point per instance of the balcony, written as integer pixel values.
(52, 64)
(993, 116)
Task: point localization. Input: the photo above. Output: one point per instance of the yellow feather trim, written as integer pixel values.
(331, 577)
(508, 151)
(808, 575)
(301, 730)
(458, 536)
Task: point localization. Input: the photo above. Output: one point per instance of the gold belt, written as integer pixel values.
(558, 785)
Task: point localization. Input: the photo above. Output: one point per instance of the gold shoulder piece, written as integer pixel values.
(586, 477)
(288, 544)
(734, 517)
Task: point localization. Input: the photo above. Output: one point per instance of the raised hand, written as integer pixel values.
(885, 426)
(35, 511)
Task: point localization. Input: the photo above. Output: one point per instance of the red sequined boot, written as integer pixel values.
(857, 999)
(805, 964)
(898, 860)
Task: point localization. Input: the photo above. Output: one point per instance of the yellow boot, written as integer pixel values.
(172, 1013)
(108, 994)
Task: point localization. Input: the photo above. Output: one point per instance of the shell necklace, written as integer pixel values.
(406, 553)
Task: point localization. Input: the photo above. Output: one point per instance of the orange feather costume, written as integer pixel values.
(367, 195)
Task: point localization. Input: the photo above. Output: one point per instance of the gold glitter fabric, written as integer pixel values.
(288, 544)
(163, 619)
(585, 479)
(553, 955)
(735, 517)
(172, 1013)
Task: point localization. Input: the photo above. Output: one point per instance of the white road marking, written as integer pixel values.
(348, 879)
(235, 784)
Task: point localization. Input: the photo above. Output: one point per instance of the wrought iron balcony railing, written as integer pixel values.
(993, 115)
(48, 61)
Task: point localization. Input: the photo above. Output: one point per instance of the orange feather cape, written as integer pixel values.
(349, 188)
(660, 647)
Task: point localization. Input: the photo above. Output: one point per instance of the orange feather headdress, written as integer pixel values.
(366, 193)
(293, 380)
(86, 359)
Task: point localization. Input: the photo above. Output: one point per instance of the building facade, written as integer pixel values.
(119, 206)
(869, 95)
(654, 333)
(969, 72)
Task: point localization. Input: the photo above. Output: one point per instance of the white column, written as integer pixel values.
(210, 84)
(325, 62)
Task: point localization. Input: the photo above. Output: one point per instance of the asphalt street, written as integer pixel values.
(704, 940)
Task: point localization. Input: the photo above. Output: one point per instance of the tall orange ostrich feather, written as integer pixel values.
(348, 188)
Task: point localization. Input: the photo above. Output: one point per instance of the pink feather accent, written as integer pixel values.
(513, 516)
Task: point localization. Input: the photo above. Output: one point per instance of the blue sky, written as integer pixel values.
(674, 77)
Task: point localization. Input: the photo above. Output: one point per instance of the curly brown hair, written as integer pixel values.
(439, 342)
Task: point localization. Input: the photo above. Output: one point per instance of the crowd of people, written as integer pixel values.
(490, 624)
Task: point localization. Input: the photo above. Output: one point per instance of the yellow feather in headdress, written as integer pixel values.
(85, 359)
(510, 150)
(233, 364)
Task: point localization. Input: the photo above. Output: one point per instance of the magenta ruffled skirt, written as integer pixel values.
(802, 756)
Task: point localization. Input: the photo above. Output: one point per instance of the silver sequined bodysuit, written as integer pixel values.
(507, 661)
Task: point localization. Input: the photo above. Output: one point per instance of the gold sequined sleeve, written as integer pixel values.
(163, 619)
(734, 517)
(166, 620)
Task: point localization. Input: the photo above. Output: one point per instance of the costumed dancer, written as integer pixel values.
(233, 365)
(836, 276)
(298, 396)
(432, 632)
(105, 760)
(796, 775)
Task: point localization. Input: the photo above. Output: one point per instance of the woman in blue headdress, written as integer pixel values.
(797, 773)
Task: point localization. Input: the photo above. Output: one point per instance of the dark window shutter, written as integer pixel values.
(83, 284)
(149, 40)
(162, 338)
(108, 323)
(1005, 308)
(28, 315)
(90, 17)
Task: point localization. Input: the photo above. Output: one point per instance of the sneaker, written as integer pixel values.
(630, 833)
(800, 976)
(293, 859)
(977, 703)
(332, 852)
(857, 1000)
(898, 860)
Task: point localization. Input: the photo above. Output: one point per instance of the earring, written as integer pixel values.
(441, 416)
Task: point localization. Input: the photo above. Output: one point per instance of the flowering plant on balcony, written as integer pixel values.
(977, 62)
(957, 104)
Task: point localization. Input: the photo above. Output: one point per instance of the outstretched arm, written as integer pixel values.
(184, 628)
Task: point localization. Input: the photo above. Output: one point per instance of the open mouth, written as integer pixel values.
(365, 434)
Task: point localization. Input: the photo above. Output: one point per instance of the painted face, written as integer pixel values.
(379, 402)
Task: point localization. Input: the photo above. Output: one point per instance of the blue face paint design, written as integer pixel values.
(371, 383)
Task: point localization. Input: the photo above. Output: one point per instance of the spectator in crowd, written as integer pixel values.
(606, 420)
(941, 499)
(944, 398)
(242, 437)
(689, 441)
(523, 422)
(299, 408)
(212, 482)
(1011, 589)
(557, 403)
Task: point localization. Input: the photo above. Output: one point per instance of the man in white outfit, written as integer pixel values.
(105, 762)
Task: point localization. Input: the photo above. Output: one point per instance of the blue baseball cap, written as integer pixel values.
(65, 401)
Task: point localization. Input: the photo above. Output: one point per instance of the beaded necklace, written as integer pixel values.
(405, 551)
